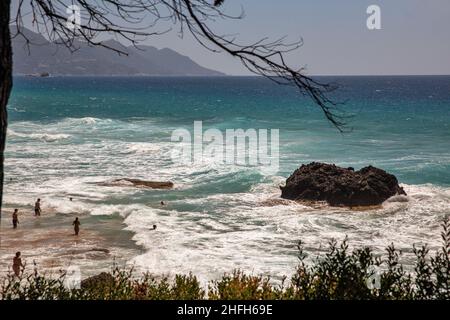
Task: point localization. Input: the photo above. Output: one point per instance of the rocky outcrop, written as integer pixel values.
(101, 280)
(341, 186)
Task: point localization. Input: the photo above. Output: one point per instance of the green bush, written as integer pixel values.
(338, 274)
(239, 286)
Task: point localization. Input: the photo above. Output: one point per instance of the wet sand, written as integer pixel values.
(49, 242)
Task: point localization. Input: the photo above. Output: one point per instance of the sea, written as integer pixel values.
(70, 138)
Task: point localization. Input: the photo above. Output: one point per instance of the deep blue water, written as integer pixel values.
(399, 123)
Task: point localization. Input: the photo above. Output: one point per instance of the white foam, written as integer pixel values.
(47, 137)
(261, 232)
(84, 121)
(207, 232)
(143, 148)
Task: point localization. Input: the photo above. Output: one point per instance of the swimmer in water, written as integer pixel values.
(17, 264)
(15, 218)
(76, 226)
(37, 208)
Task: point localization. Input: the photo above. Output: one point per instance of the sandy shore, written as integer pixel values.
(49, 242)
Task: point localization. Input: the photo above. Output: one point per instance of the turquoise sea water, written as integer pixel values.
(67, 134)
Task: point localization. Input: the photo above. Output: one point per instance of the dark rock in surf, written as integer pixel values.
(102, 280)
(100, 250)
(151, 184)
(138, 183)
(338, 186)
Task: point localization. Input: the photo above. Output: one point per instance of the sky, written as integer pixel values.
(414, 37)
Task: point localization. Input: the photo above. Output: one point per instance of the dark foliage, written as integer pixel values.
(339, 274)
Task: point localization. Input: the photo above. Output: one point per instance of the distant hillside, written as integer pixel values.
(45, 56)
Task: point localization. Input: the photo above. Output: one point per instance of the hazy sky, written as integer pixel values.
(414, 39)
(415, 35)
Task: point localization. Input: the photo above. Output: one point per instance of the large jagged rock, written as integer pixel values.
(340, 186)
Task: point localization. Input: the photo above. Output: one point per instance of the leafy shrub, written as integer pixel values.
(339, 274)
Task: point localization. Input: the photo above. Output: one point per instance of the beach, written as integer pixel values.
(49, 245)
(73, 136)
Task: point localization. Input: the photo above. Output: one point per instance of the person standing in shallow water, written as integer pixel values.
(37, 208)
(76, 226)
(17, 264)
(15, 218)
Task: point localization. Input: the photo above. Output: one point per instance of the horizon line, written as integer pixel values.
(228, 75)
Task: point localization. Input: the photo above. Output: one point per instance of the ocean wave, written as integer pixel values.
(219, 218)
(84, 121)
(214, 233)
(46, 137)
(144, 148)
(244, 234)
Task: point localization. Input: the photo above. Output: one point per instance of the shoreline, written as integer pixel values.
(48, 243)
(108, 240)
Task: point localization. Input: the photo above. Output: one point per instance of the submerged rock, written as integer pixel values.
(139, 183)
(100, 280)
(100, 250)
(338, 186)
(275, 202)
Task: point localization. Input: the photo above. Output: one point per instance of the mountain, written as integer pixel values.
(46, 57)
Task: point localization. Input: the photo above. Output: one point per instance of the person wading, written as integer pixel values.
(17, 264)
(15, 218)
(76, 226)
(37, 208)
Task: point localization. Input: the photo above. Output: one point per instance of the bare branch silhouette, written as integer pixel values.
(132, 20)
